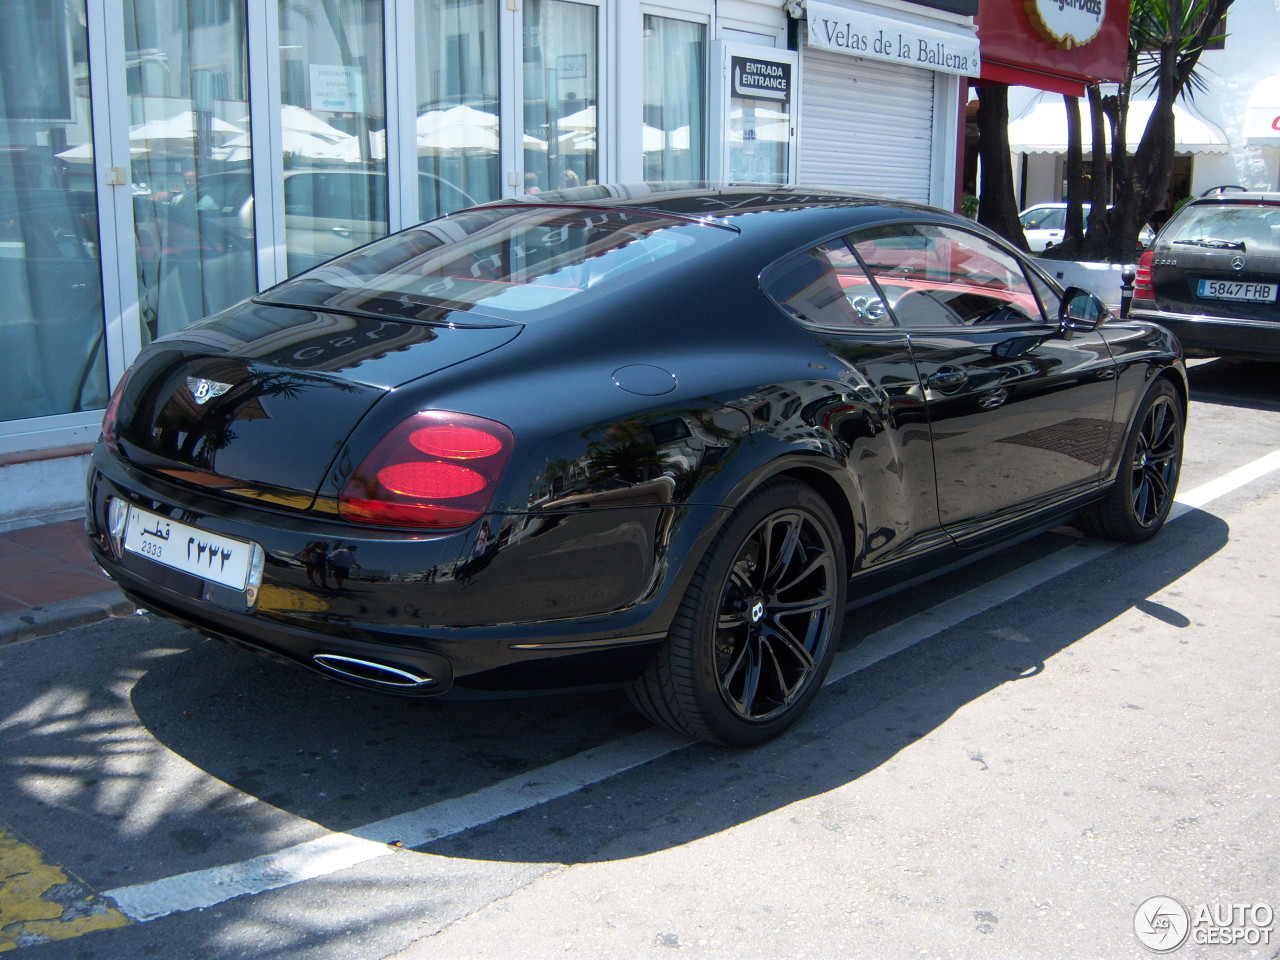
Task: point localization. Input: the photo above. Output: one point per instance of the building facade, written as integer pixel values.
(160, 161)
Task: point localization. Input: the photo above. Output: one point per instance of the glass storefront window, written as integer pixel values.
(52, 353)
(333, 120)
(459, 159)
(189, 148)
(674, 98)
(560, 95)
(759, 140)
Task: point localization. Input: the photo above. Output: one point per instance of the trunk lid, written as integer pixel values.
(257, 401)
(1217, 283)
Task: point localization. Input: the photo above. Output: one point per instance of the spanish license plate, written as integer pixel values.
(1236, 290)
(223, 560)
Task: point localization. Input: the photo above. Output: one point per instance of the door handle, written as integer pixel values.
(342, 231)
(946, 378)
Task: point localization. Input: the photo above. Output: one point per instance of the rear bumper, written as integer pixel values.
(543, 603)
(1219, 336)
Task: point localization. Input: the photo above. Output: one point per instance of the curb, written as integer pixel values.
(55, 617)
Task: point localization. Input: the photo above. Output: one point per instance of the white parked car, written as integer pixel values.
(1045, 224)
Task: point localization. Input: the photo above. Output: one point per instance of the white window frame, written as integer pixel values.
(718, 90)
(630, 107)
(511, 46)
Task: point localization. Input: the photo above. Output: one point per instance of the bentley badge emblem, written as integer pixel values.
(205, 390)
(1237, 263)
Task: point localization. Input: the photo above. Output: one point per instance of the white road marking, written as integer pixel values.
(338, 851)
(1228, 482)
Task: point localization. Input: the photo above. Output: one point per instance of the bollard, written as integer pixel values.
(1127, 276)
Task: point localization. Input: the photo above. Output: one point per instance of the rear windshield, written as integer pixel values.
(1247, 227)
(508, 262)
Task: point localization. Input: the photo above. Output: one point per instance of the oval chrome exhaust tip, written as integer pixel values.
(370, 671)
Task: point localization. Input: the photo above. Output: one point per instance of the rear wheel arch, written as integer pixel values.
(818, 473)
(834, 495)
(1179, 386)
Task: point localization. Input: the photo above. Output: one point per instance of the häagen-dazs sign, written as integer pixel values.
(882, 38)
(1067, 23)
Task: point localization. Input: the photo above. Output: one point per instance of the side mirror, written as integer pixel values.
(1081, 310)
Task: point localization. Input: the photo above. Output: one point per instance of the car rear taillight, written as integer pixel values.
(1142, 288)
(109, 417)
(436, 469)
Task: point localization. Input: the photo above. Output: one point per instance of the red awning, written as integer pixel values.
(995, 72)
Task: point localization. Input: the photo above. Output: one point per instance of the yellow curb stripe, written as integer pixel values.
(40, 902)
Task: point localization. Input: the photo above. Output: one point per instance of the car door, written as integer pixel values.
(1044, 227)
(863, 398)
(330, 212)
(1020, 413)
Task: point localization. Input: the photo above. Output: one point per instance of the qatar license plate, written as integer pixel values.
(200, 553)
(1236, 290)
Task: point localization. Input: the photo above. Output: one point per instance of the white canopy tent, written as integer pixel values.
(1042, 128)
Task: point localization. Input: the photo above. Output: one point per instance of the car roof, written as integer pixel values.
(1239, 196)
(810, 210)
(706, 200)
(1054, 205)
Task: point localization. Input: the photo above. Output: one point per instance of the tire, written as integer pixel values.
(1138, 503)
(757, 629)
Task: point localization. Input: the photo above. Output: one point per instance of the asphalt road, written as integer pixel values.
(1013, 758)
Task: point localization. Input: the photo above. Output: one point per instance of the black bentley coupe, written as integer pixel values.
(647, 436)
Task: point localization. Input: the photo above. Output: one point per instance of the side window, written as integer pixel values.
(938, 276)
(1049, 297)
(826, 287)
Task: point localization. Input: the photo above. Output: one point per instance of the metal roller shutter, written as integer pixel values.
(865, 125)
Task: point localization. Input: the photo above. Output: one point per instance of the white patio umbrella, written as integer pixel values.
(460, 115)
(84, 153)
(301, 120)
(583, 120)
(297, 143)
(576, 143)
(445, 137)
(175, 136)
(181, 126)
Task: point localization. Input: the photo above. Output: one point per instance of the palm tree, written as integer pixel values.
(1166, 39)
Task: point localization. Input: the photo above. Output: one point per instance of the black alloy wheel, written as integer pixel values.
(1139, 501)
(1156, 460)
(757, 630)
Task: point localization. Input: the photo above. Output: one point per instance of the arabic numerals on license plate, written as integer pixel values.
(149, 549)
